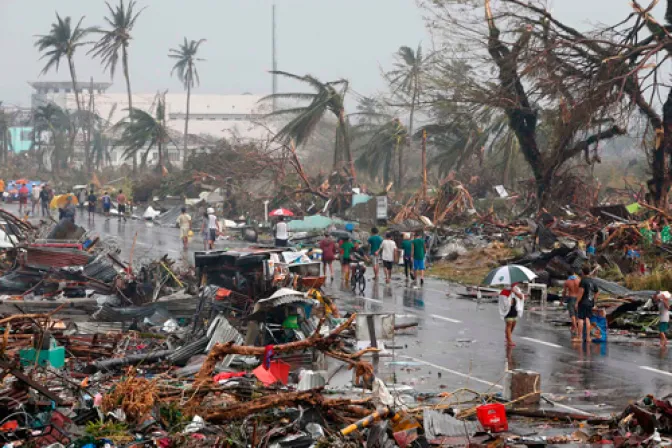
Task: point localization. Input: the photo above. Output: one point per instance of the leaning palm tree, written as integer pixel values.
(329, 97)
(141, 132)
(185, 66)
(406, 80)
(115, 40)
(57, 122)
(61, 43)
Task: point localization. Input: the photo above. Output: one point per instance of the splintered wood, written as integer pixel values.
(451, 199)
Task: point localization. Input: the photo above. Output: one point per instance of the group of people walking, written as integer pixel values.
(381, 250)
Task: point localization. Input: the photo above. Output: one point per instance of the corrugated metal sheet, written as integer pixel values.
(56, 258)
(182, 354)
(97, 327)
(221, 331)
(438, 424)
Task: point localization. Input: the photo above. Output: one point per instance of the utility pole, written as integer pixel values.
(424, 164)
(274, 62)
(88, 160)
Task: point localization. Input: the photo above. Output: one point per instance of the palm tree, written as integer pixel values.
(141, 132)
(62, 42)
(51, 118)
(185, 66)
(406, 79)
(382, 142)
(116, 40)
(328, 96)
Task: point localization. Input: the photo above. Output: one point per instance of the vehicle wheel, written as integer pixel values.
(362, 284)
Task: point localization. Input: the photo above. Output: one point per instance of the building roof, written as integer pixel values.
(68, 85)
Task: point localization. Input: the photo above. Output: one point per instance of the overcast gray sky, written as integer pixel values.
(329, 39)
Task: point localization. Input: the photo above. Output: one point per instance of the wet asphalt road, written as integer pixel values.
(459, 343)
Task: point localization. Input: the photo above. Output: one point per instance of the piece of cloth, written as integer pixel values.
(346, 249)
(571, 306)
(506, 302)
(388, 248)
(598, 329)
(212, 222)
(268, 356)
(589, 291)
(328, 247)
(281, 231)
(419, 249)
(184, 221)
(419, 265)
(375, 241)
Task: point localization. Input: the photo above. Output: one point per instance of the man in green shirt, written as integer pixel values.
(346, 250)
(375, 241)
(418, 252)
(407, 247)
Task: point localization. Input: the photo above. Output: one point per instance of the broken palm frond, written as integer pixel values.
(451, 199)
(134, 395)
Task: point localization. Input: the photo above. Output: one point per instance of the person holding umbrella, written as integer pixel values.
(511, 298)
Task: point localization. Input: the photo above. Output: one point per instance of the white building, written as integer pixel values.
(212, 117)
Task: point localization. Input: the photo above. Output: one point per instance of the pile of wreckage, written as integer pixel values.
(245, 350)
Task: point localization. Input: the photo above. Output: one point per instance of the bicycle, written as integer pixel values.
(357, 280)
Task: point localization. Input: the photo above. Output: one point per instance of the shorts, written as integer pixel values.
(663, 327)
(212, 233)
(388, 265)
(419, 265)
(375, 259)
(23, 201)
(571, 306)
(346, 261)
(106, 208)
(122, 209)
(92, 208)
(184, 232)
(280, 243)
(511, 319)
(585, 311)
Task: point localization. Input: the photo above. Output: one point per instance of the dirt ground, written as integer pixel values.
(471, 268)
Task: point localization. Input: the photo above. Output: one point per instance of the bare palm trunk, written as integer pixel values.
(346, 145)
(186, 122)
(400, 184)
(85, 134)
(124, 59)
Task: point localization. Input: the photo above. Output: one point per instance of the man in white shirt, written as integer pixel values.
(281, 233)
(35, 197)
(388, 249)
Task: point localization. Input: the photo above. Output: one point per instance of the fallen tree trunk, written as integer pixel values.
(312, 397)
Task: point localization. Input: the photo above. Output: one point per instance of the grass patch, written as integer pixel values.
(471, 268)
(659, 279)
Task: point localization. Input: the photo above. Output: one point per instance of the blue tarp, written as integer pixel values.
(315, 222)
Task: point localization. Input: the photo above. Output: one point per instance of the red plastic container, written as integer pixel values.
(493, 417)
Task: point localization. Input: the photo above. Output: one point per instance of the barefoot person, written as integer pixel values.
(662, 300)
(511, 306)
(184, 222)
(328, 247)
(388, 250)
(570, 294)
(586, 304)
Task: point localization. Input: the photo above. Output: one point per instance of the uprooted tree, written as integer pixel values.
(537, 72)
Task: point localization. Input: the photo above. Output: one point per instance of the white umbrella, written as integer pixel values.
(508, 275)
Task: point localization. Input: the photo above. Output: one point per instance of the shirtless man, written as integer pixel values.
(570, 294)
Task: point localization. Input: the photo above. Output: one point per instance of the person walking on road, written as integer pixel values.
(328, 247)
(570, 294)
(69, 211)
(586, 304)
(121, 201)
(418, 252)
(511, 306)
(92, 199)
(407, 247)
(45, 199)
(107, 205)
(184, 222)
(23, 199)
(346, 252)
(375, 241)
(281, 232)
(213, 228)
(662, 300)
(34, 198)
(204, 230)
(388, 250)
